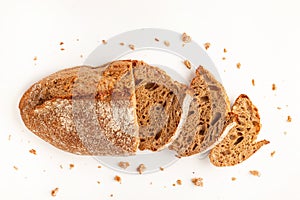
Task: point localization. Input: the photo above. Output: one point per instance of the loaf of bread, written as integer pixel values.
(85, 110)
(240, 143)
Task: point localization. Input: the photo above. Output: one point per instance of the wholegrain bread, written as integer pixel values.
(240, 143)
(77, 110)
(158, 105)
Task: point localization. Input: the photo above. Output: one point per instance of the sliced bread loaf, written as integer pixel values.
(240, 143)
(158, 105)
(76, 110)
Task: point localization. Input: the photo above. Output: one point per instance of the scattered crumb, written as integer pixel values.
(254, 173)
(15, 168)
(173, 184)
(198, 181)
(71, 166)
(206, 45)
(104, 42)
(289, 118)
(62, 49)
(273, 86)
(193, 172)
(9, 137)
(81, 56)
(111, 195)
(44, 170)
(77, 39)
(61, 43)
(123, 165)
(167, 43)
(131, 46)
(186, 38)
(233, 178)
(33, 151)
(156, 39)
(179, 182)
(54, 192)
(99, 166)
(225, 50)
(165, 186)
(253, 82)
(122, 43)
(162, 169)
(34, 58)
(187, 64)
(223, 58)
(117, 178)
(238, 65)
(141, 168)
(278, 108)
(272, 153)
(98, 182)
(61, 166)
(151, 183)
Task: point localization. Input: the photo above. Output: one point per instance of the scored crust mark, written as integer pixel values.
(141, 168)
(187, 64)
(54, 192)
(254, 173)
(32, 151)
(240, 143)
(197, 181)
(186, 38)
(123, 165)
(207, 45)
(166, 43)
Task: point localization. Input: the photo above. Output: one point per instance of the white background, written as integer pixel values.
(262, 35)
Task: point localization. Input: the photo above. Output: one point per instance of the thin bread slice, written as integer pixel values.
(207, 117)
(158, 105)
(240, 143)
(66, 109)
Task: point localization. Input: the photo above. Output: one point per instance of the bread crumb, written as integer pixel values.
(233, 178)
(289, 119)
(123, 165)
(186, 38)
(61, 166)
(179, 182)
(111, 195)
(141, 168)
(161, 169)
(62, 49)
(167, 43)
(98, 182)
(225, 50)
(206, 45)
(273, 86)
(255, 173)
(238, 65)
(198, 181)
(71, 166)
(15, 168)
(156, 39)
(118, 179)
(223, 58)
(9, 137)
(187, 64)
(131, 46)
(34, 58)
(104, 42)
(33, 151)
(272, 153)
(278, 108)
(77, 39)
(54, 192)
(81, 56)
(122, 43)
(173, 184)
(284, 132)
(99, 166)
(151, 183)
(253, 82)
(61, 43)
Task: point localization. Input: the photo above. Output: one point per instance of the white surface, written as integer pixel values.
(262, 35)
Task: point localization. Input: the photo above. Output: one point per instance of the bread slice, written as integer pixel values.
(240, 143)
(77, 111)
(158, 105)
(207, 116)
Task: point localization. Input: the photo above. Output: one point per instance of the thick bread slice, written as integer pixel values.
(67, 109)
(159, 105)
(207, 116)
(240, 143)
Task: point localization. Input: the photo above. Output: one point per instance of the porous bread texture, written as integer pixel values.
(158, 105)
(240, 143)
(76, 110)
